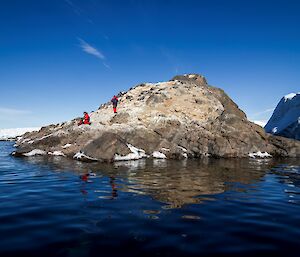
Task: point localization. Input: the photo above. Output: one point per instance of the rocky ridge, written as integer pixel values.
(180, 118)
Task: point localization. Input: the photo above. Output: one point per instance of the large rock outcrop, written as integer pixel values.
(181, 118)
(285, 120)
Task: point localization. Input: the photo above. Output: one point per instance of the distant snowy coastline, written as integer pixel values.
(261, 123)
(11, 134)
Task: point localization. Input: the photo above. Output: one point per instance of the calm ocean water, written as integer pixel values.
(50, 207)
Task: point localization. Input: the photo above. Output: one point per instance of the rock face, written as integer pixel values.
(181, 118)
(285, 120)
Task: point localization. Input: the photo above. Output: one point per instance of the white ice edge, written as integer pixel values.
(259, 154)
(81, 155)
(35, 152)
(158, 155)
(135, 154)
(56, 153)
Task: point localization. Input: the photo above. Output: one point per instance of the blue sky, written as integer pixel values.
(61, 57)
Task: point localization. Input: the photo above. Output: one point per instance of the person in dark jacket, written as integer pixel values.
(85, 120)
(115, 101)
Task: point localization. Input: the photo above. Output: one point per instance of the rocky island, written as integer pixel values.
(181, 118)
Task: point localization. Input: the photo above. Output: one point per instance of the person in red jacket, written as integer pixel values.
(85, 120)
(115, 101)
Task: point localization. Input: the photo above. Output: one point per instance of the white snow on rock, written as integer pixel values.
(6, 134)
(289, 96)
(182, 148)
(184, 155)
(66, 146)
(44, 137)
(24, 141)
(35, 152)
(184, 151)
(274, 130)
(259, 154)
(158, 155)
(81, 155)
(56, 153)
(36, 140)
(135, 154)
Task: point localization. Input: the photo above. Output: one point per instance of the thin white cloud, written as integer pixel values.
(171, 59)
(90, 49)
(13, 112)
(106, 65)
(263, 112)
(74, 7)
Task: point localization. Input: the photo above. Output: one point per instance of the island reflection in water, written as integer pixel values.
(53, 206)
(175, 183)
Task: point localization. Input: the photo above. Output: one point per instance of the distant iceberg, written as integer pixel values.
(10, 134)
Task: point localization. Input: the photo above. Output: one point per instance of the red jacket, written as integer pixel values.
(114, 100)
(86, 119)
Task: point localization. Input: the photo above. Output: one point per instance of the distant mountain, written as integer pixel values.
(285, 120)
(11, 134)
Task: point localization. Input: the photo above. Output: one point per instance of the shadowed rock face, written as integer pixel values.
(181, 118)
(285, 119)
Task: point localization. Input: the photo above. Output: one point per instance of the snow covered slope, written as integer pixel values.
(285, 120)
(8, 134)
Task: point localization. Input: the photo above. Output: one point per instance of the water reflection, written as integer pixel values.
(174, 183)
(149, 207)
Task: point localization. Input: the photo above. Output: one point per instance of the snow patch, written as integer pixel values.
(44, 137)
(135, 154)
(182, 148)
(289, 97)
(66, 146)
(259, 154)
(56, 153)
(184, 155)
(81, 155)
(274, 130)
(35, 152)
(25, 140)
(158, 155)
(35, 140)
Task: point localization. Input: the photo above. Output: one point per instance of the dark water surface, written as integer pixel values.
(148, 208)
